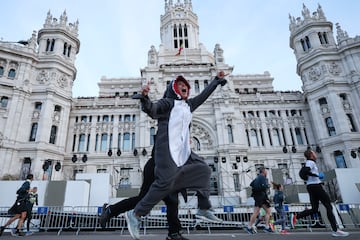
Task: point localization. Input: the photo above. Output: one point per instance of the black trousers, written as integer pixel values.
(317, 194)
(171, 201)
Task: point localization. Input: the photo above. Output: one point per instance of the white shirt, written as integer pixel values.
(313, 169)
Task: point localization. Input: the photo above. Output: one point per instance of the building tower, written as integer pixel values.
(329, 71)
(39, 93)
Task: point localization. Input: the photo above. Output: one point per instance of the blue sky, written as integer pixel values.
(116, 35)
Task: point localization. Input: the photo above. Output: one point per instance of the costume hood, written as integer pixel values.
(171, 90)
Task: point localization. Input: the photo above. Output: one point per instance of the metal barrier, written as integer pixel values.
(66, 218)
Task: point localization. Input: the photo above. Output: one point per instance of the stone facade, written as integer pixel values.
(242, 126)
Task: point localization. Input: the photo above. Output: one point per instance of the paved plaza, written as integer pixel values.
(196, 235)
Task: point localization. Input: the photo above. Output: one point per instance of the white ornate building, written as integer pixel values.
(243, 125)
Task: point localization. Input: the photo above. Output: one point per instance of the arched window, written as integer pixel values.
(195, 144)
(69, 51)
(53, 134)
(65, 48)
(4, 102)
(1, 71)
(33, 131)
(323, 38)
(47, 45)
(12, 73)
(52, 45)
(307, 41)
(330, 126)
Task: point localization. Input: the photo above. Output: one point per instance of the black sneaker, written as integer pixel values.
(2, 228)
(105, 215)
(175, 236)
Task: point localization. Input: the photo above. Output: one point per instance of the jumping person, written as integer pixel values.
(176, 166)
(171, 202)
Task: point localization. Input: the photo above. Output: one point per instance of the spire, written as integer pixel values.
(317, 16)
(305, 13)
(341, 35)
(51, 22)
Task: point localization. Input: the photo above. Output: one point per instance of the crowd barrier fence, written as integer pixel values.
(86, 218)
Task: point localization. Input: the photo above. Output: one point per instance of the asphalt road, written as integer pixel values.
(197, 235)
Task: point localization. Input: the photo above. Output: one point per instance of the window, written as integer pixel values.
(276, 137)
(298, 136)
(101, 170)
(206, 83)
(74, 142)
(12, 73)
(65, 48)
(330, 126)
(351, 123)
(236, 182)
(4, 102)
(53, 133)
(254, 141)
(195, 144)
(96, 142)
(127, 118)
(323, 38)
(126, 142)
(133, 141)
(339, 159)
(1, 71)
(25, 170)
(197, 88)
(81, 146)
(105, 118)
(152, 136)
(119, 141)
(230, 134)
(322, 101)
(69, 51)
(103, 144)
(83, 118)
(38, 106)
(33, 131)
(88, 143)
(305, 43)
(47, 45)
(57, 108)
(180, 36)
(52, 46)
